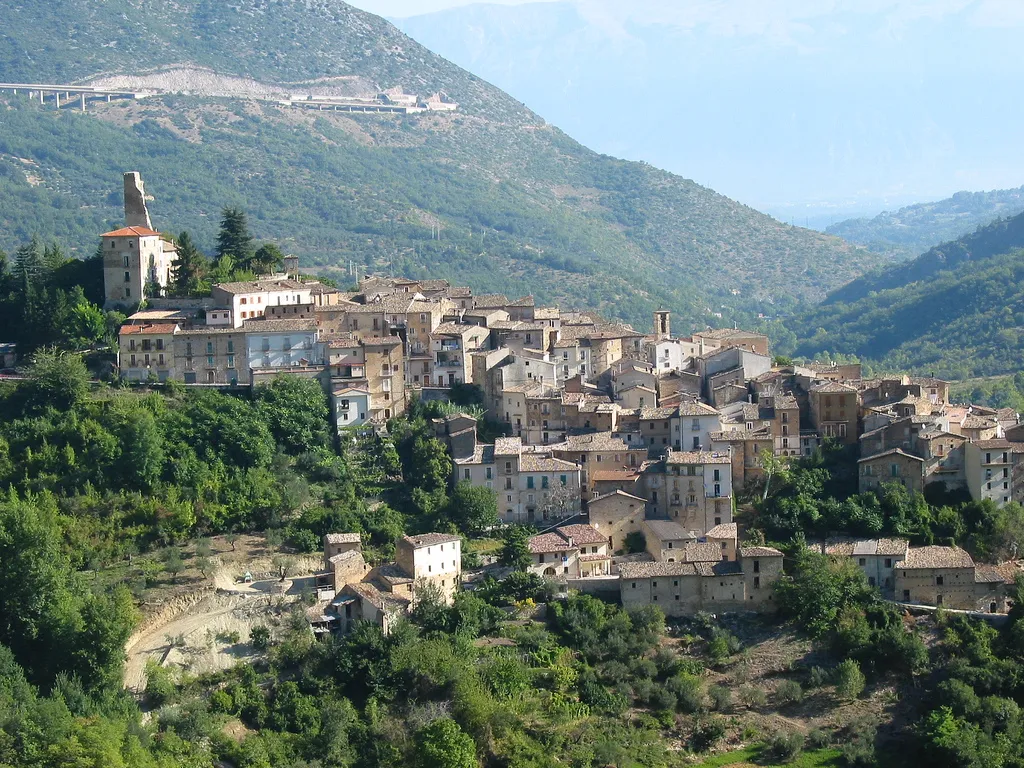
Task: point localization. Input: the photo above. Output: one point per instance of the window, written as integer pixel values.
(888, 562)
(757, 566)
(127, 277)
(757, 582)
(529, 482)
(544, 481)
(489, 473)
(465, 474)
(906, 595)
(231, 360)
(938, 581)
(209, 360)
(862, 562)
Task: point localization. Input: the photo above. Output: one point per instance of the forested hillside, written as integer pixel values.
(957, 310)
(520, 206)
(914, 229)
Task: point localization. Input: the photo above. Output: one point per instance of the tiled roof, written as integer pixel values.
(615, 494)
(697, 457)
(592, 558)
(759, 552)
(937, 557)
(278, 326)
(522, 301)
(531, 462)
(740, 434)
(257, 286)
(648, 570)
(546, 313)
(382, 341)
(728, 333)
(429, 539)
(978, 422)
(656, 414)
(614, 475)
(490, 300)
(895, 547)
(343, 538)
(890, 452)
(833, 387)
(351, 554)
(482, 454)
(565, 538)
(724, 531)
(1000, 443)
(667, 530)
(454, 329)
(719, 568)
(131, 231)
(991, 574)
(704, 552)
(596, 441)
(149, 329)
(696, 409)
(508, 446)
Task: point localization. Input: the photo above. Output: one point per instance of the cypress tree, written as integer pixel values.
(234, 239)
(189, 268)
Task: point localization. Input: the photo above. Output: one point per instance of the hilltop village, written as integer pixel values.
(612, 433)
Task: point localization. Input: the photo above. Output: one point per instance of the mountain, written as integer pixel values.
(519, 206)
(956, 311)
(916, 228)
(806, 110)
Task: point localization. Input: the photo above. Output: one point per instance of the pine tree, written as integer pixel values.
(189, 268)
(30, 267)
(234, 239)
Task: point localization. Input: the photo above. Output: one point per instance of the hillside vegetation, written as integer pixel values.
(957, 310)
(916, 228)
(520, 206)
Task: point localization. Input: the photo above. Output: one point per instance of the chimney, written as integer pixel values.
(136, 214)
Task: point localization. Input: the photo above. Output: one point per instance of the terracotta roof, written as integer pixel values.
(565, 538)
(148, 329)
(429, 539)
(937, 557)
(131, 231)
(592, 558)
(614, 475)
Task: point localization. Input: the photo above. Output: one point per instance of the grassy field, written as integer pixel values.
(754, 756)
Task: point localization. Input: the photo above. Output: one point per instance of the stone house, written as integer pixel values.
(692, 424)
(989, 467)
(746, 449)
(599, 451)
(146, 350)
(892, 466)
(692, 488)
(665, 540)
(571, 551)
(940, 576)
(834, 409)
(616, 515)
(432, 558)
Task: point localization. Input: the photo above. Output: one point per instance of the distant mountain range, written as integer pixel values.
(956, 311)
(802, 109)
(490, 196)
(916, 228)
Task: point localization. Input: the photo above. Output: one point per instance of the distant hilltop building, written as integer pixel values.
(135, 256)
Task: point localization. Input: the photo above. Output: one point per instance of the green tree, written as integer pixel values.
(849, 679)
(190, 267)
(56, 379)
(234, 240)
(296, 412)
(267, 259)
(443, 744)
(515, 549)
(173, 562)
(473, 509)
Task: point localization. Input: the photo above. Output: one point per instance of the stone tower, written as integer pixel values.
(662, 325)
(136, 214)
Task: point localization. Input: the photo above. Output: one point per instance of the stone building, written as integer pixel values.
(570, 551)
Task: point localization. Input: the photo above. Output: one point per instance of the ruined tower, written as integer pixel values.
(136, 214)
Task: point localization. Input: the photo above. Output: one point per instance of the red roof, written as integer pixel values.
(156, 328)
(131, 231)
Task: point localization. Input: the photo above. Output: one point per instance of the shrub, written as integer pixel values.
(706, 735)
(222, 702)
(228, 638)
(259, 637)
(159, 685)
(721, 698)
(849, 679)
(819, 738)
(689, 690)
(817, 677)
(752, 696)
(786, 745)
(789, 692)
(635, 542)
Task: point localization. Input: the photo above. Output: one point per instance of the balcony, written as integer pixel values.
(450, 346)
